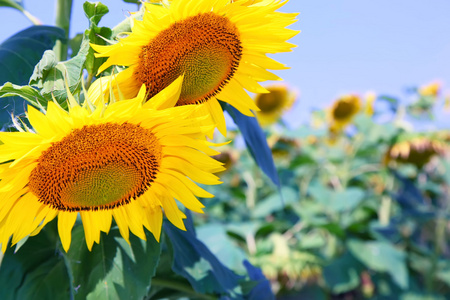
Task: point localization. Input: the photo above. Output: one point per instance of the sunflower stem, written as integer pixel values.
(69, 273)
(63, 13)
(89, 80)
(178, 286)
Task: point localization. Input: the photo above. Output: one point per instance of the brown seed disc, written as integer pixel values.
(343, 110)
(205, 48)
(97, 167)
(271, 101)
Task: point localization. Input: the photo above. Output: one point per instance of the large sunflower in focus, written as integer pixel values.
(126, 160)
(220, 47)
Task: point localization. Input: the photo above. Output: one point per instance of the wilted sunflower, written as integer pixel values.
(342, 112)
(415, 149)
(126, 160)
(272, 105)
(220, 47)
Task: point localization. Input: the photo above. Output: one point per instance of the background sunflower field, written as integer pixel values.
(352, 204)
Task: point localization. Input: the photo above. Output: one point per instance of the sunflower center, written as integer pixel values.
(205, 48)
(271, 101)
(97, 167)
(343, 110)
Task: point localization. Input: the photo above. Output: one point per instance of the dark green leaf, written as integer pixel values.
(113, 269)
(256, 142)
(382, 257)
(20, 53)
(194, 261)
(18, 56)
(262, 290)
(342, 275)
(36, 271)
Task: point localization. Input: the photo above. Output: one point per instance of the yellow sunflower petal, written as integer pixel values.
(66, 220)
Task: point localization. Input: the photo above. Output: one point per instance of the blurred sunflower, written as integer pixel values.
(369, 105)
(126, 160)
(431, 89)
(272, 105)
(220, 47)
(342, 112)
(415, 149)
(447, 103)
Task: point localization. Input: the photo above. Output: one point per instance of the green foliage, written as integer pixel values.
(97, 35)
(356, 222)
(51, 76)
(26, 92)
(18, 55)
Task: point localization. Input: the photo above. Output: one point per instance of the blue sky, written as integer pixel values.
(344, 45)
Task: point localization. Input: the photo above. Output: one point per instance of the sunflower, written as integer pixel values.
(272, 105)
(220, 47)
(416, 149)
(369, 105)
(342, 112)
(126, 160)
(431, 89)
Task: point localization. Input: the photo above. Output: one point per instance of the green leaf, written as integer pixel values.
(392, 101)
(11, 3)
(36, 271)
(49, 75)
(93, 63)
(95, 11)
(342, 274)
(194, 261)
(18, 55)
(382, 257)
(347, 200)
(97, 35)
(262, 290)
(22, 51)
(339, 201)
(215, 237)
(133, 1)
(26, 92)
(113, 269)
(273, 204)
(256, 142)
